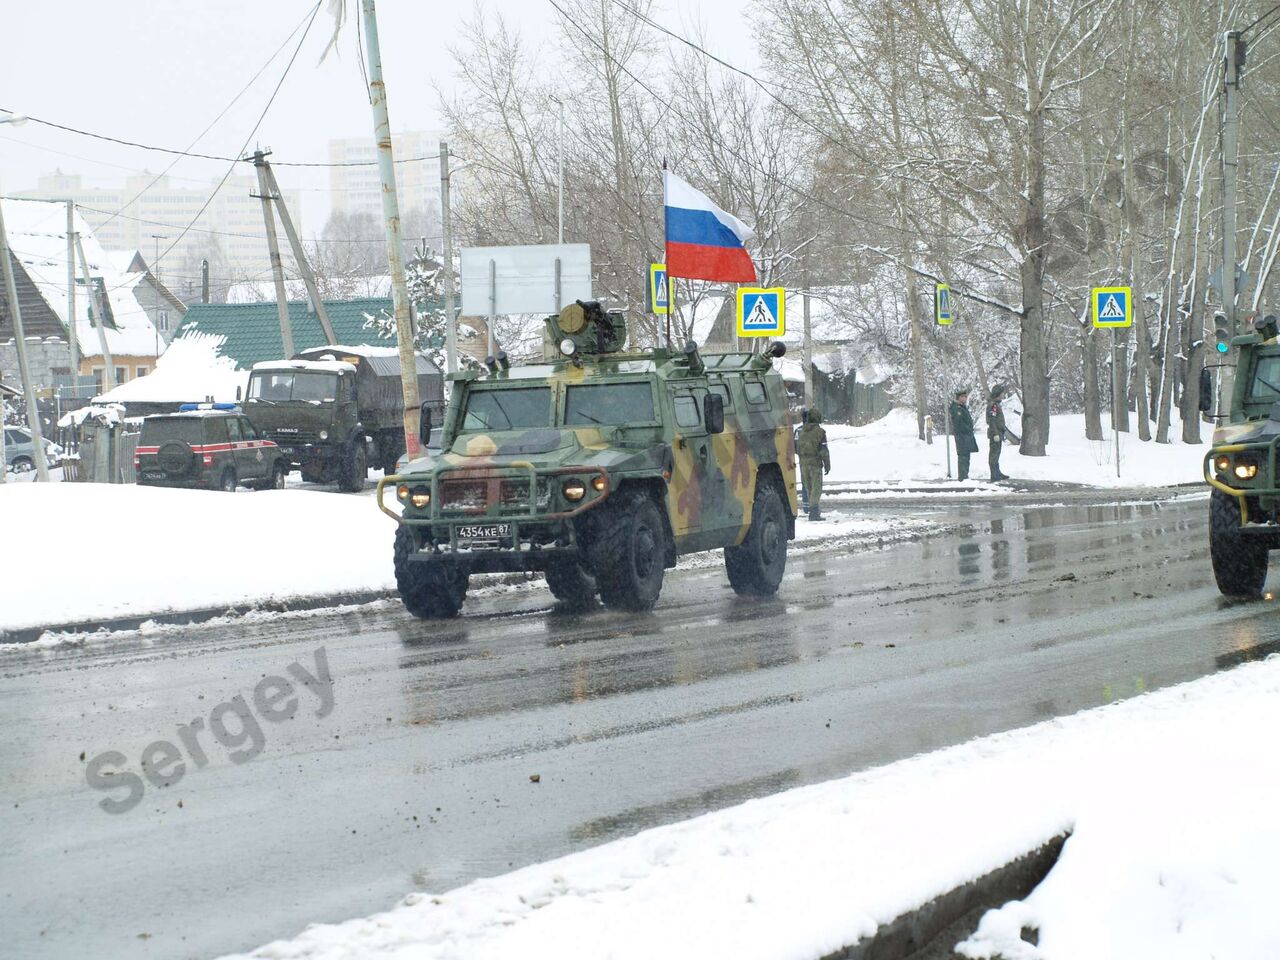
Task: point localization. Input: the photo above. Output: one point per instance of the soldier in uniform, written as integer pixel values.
(795, 439)
(996, 432)
(815, 460)
(962, 430)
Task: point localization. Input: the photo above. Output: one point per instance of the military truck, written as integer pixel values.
(599, 469)
(335, 410)
(1241, 466)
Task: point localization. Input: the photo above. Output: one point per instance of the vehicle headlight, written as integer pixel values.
(598, 484)
(1246, 471)
(324, 434)
(420, 497)
(574, 490)
(1222, 464)
(402, 492)
(568, 347)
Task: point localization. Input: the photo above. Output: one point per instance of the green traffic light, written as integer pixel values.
(1223, 346)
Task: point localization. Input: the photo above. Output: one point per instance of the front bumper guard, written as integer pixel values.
(1268, 449)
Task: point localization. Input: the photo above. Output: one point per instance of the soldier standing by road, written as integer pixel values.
(997, 431)
(962, 430)
(815, 459)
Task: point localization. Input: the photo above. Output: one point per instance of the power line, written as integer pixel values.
(1260, 19)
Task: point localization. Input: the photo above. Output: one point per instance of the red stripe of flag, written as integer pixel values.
(697, 262)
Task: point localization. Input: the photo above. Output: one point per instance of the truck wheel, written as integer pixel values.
(431, 590)
(1239, 563)
(755, 567)
(571, 584)
(227, 482)
(629, 553)
(354, 469)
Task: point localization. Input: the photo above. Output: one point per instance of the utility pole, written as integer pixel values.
(95, 317)
(24, 371)
(808, 343)
(72, 345)
(273, 251)
(204, 280)
(395, 247)
(155, 291)
(446, 227)
(560, 175)
(1235, 56)
(300, 256)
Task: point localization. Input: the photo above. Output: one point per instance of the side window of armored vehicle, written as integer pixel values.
(511, 409)
(1265, 387)
(608, 404)
(754, 390)
(233, 429)
(686, 410)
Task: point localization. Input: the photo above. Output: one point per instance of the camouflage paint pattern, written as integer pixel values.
(1251, 432)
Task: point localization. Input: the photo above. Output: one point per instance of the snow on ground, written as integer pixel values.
(155, 550)
(1171, 797)
(889, 451)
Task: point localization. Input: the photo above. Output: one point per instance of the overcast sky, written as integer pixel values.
(158, 71)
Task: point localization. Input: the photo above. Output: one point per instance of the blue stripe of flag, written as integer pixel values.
(700, 227)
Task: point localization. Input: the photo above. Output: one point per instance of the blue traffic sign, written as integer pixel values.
(761, 312)
(1112, 307)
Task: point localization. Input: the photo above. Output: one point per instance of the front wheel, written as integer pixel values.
(354, 469)
(571, 584)
(227, 482)
(430, 589)
(1239, 562)
(629, 555)
(755, 567)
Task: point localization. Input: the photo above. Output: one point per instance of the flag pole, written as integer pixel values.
(666, 275)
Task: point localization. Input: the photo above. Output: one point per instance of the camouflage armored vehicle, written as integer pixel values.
(1244, 506)
(336, 410)
(600, 469)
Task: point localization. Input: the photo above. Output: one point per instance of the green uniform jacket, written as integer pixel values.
(962, 427)
(812, 445)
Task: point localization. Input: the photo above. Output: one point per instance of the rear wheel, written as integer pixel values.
(354, 469)
(430, 589)
(275, 480)
(227, 482)
(570, 583)
(629, 553)
(755, 567)
(1239, 562)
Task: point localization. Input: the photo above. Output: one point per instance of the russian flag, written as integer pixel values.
(703, 242)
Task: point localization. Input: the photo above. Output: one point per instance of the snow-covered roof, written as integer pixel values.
(190, 370)
(37, 236)
(334, 366)
(363, 350)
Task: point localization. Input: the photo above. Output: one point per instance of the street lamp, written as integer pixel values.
(17, 119)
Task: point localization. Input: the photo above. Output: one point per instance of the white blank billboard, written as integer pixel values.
(525, 277)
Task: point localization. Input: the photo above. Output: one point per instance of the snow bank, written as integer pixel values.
(1170, 795)
(888, 450)
(183, 549)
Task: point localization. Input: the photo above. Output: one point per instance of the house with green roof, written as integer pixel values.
(250, 332)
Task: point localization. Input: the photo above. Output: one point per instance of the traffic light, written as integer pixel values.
(1221, 335)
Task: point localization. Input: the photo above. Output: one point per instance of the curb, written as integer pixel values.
(909, 933)
(201, 615)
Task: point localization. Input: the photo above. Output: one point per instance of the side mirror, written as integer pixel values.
(1206, 391)
(713, 412)
(424, 424)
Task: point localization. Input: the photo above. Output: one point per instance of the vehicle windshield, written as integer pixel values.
(509, 409)
(158, 432)
(277, 386)
(1265, 387)
(609, 404)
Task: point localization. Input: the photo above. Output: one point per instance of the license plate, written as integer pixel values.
(152, 475)
(484, 532)
(287, 451)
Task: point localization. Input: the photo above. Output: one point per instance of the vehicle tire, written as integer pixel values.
(22, 465)
(756, 566)
(390, 446)
(227, 482)
(431, 590)
(629, 552)
(571, 584)
(276, 480)
(354, 469)
(1239, 562)
(176, 459)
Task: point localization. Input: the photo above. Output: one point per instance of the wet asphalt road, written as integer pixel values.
(419, 776)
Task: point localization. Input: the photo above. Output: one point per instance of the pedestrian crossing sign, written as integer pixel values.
(761, 312)
(942, 304)
(658, 302)
(1112, 307)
